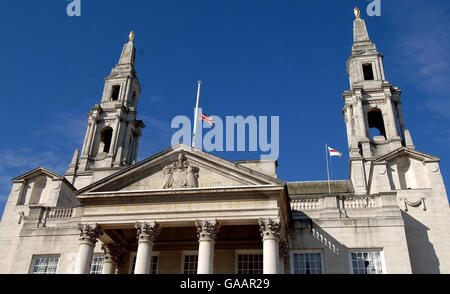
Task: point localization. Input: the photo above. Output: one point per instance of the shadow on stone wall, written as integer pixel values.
(421, 251)
(329, 243)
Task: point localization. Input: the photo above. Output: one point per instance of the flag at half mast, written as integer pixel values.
(206, 119)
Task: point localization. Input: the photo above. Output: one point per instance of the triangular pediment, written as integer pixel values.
(181, 167)
(40, 175)
(404, 151)
(35, 173)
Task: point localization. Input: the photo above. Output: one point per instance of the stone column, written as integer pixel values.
(361, 122)
(91, 141)
(392, 121)
(401, 118)
(127, 139)
(270, 233)
(135, 154)
(115, 133)
(113, 256)
(87, 151)
(146, 234)
(206, 233)
(126, 93)
(88, 237)
(349, 123)
(86, 138)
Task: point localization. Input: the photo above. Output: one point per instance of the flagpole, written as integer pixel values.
(328, 170)
(196, 114)
(331, 166)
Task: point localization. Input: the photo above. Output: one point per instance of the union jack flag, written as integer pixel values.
(207, 119)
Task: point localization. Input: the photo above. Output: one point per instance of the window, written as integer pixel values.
(368, 72)
(153, 264)
(367, 262)
(375, 119)
(115, 93)
(307, 263)
(105, 138)
(190, 261)
(97, 264)
(250, 263)
(44, 265)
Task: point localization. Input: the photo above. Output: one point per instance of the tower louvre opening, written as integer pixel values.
(106, 137)
(115, 93)
(375, 118)
(368, 72)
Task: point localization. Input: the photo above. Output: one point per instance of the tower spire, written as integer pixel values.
(113, 133)
(373, 114)
(128, 53)
(361, 40)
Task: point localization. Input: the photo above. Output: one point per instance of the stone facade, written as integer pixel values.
(184, 210)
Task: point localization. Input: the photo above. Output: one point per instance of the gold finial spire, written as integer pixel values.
(357, 12)
(131, 36)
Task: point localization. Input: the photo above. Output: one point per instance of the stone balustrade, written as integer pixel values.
(59, 214)
(359, 202)
(322, 202)
(41, 216)
(305, 204)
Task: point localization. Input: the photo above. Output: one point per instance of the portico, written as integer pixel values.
(209, 221)
(211, 240)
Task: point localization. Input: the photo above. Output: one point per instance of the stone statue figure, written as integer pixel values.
(167, 177)
(192, 176)
(180, 174)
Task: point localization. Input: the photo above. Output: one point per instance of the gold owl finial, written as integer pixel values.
(131, 36)
(357, 12)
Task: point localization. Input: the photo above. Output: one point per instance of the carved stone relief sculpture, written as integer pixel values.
(180, 174)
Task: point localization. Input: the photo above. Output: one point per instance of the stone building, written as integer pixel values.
(186, 211)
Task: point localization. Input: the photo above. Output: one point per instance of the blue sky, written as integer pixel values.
(274, 58)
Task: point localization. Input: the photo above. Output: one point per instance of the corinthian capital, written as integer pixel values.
(114, 252)
(206, 229)
(269, 228)
(89, 233)
(147, 231)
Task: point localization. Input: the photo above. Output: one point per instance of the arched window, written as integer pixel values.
(105, 138)
(376, 122)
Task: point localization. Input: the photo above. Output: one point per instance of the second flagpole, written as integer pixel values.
(328, 170)
(196, 114)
